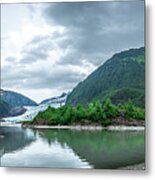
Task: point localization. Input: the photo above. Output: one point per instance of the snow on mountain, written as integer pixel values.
(32, 111)
(56, 100)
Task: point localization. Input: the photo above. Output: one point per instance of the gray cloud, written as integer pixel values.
(98, 28)
(58, 77)
(94, 31)
(34, 54)
(55, 80)
(10, 59)
(40, 46)
(36, 49)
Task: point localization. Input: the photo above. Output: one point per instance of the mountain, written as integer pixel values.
(56, 100)
(121, 78)
(6, 110)
(32, 111)
(16, 99)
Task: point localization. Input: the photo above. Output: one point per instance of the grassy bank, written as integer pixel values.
(94, 114)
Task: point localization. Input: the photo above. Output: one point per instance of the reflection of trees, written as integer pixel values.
(102, 149)
(15, 138)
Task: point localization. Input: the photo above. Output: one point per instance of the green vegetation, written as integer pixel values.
(124, 95)
(133, 112)
(98, 147)
(121, 78)
(94, 114)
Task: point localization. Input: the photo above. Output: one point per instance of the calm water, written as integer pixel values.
(70, 148)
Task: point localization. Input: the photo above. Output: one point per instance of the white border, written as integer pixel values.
(41, 174)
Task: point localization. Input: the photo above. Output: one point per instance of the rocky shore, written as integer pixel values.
(134, 167)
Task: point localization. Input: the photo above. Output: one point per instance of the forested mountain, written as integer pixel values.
(121, 78)
(16, 99)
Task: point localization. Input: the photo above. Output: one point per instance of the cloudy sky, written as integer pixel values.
(47, 48)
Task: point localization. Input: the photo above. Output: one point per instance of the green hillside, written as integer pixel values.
(121, 78)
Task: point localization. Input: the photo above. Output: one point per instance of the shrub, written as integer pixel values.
(110, 109)
(95, 112)
(106, 122)
(133, 112)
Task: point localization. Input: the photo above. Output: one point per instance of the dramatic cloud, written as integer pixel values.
(58, 77)
(10, 59)
(54, 46)
(96, 30)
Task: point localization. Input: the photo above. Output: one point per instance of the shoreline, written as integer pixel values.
(140, 166)
(77, 127)
(81, 127)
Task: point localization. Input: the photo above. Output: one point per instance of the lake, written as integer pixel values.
(58, 148)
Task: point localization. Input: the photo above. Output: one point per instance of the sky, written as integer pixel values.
(48, 48)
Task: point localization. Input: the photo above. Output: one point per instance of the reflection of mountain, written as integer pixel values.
(15, 138)
(101, 149)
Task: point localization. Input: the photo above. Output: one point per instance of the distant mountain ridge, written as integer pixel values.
(121, 78)
(6, 110)
(16, 99)
(58, 99)
(32, 111)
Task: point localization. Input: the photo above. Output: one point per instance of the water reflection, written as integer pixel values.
(15, 138)
(71, 148)
(102, 149)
